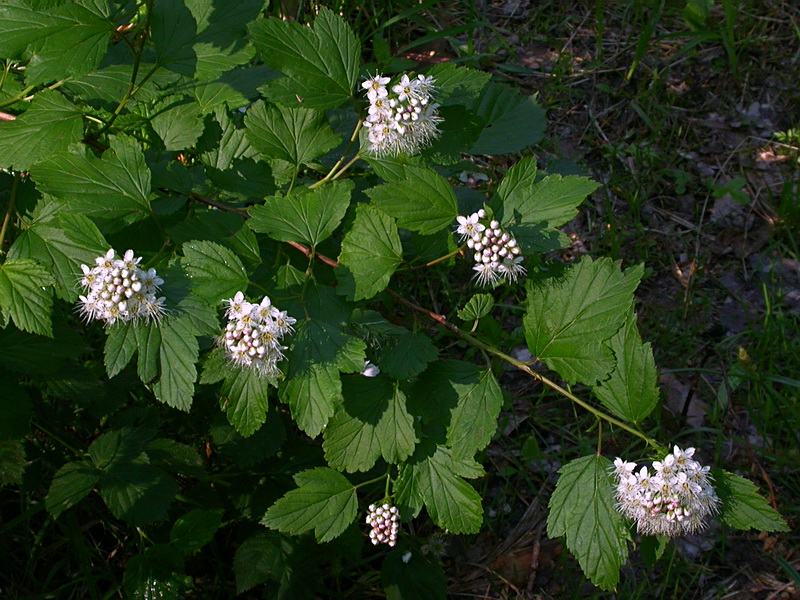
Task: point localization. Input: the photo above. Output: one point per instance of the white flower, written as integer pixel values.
(469, 226)
(106, 261)
(237, 306)
(118, 290)
(623, 468)
(403, 120)
(376, 87)
(675, 501)
(370, 370)
(251, 338)
(496, 253)
(486, 274)
(404, 90)
(264, 309)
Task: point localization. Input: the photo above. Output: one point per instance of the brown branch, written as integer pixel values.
(307, 251)
(441, 319)
(220, 205)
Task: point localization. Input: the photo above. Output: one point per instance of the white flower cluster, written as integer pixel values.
(497, 255)
(673, 501)
(385, 522)
(118, 290)
(253, 334)
(403, 119)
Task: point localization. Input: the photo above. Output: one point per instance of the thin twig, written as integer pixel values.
(220, 205)
(10, 211)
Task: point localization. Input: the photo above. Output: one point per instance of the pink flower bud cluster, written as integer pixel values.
(673, 501)
(253, 333)
(385, 522)
(118, 290)
(495, 251)
(403, 118)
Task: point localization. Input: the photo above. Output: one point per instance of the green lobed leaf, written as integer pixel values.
(62, 41)
(215, 367)
(399, 353)
(652, 548)
(195, 529)
(148, 343)
(322, 342)
(25, 295)
(110, 83)
(178, 123)
(568, 319)
(423, 201)
(307, 216)
(321, 63)
(433, 476)
(48, 127)
(112, 187)
(244, 398)
(312, 395)
(235, 88)
(287, 564)
(742, 507)
(631, 391)
(201, 40)
(119, 446)
(153, 575)
(393, 168)
(175, 457)
(324, 501)
(372, 421)
(296, 135)
(12, 462)
(478, 307)
(216, 272)
(138, 493)
(228, 144)
(455, 84)
(406, 355)
(71, 484)
(259, 559)
(522, 200)
(414, 577)
(459, 130)
(467, 402)
(199, 315)
(119, 348)
(178, 354)
(513, 121)
(371, 251)
(583, 509)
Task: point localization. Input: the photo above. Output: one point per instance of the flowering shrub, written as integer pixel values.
(158, 127)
